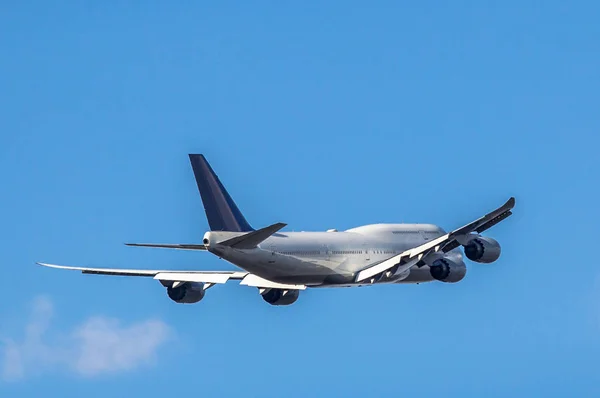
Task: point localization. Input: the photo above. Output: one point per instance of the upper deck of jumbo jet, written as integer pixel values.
(396, 228)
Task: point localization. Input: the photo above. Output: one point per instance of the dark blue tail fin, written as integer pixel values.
(221, 211)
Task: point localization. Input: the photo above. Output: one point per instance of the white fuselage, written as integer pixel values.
(328, 258)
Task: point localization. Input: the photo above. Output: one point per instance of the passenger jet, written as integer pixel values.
(282, 264)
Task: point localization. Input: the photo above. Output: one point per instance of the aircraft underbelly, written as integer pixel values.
(283, 268)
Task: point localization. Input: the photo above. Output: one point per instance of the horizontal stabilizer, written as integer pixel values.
(251, 239)
(169, 246)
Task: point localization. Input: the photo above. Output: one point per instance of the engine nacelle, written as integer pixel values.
(482, 249)
(280, 296)
(187, 293)
(448, 269)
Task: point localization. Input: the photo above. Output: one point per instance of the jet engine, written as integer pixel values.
(482, 249)
(187, 293)
(280, 296)
(448, 269)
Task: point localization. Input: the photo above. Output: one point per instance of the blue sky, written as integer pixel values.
(321, 116)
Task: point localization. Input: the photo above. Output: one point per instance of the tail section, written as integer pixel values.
(221, 211)
(254, 238)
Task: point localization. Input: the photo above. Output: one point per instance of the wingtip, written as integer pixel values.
(52, 265)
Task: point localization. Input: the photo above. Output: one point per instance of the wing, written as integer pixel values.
(174, 278)
(444, 243)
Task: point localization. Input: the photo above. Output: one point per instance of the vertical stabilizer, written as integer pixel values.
(221, 211)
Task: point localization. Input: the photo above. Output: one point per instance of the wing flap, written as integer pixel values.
(257, 281)
(217, 277)
(396, 261)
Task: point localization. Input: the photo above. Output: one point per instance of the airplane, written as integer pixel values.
(282, 264)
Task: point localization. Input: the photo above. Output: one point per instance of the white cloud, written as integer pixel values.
(105, 346)
(98, 346)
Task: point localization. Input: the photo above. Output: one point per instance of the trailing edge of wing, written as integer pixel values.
(184, 276)
(257, 281)
(213, 277)
(105, 271)
(180, 246)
